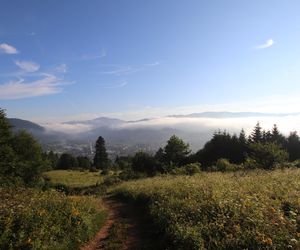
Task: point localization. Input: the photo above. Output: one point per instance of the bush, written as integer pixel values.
(297, 163)
(224, 165)
(267, 155)
(188, 169)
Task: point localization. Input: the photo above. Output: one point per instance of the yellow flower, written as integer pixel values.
(268, 241)
(75, 212)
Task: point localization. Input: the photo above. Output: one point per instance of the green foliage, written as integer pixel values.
(145, 163)
(223, 145)
(176, 151)
(5, 129)
(253, 210)
(21, 160)
(267, 155)
(100, 158)
(293, 146)
(123, 162)
(188, 169)
(52, 159)
(67, 161)
(31, 219)
(73, 178)
(84, 162)
(257, 134)
(224, 165)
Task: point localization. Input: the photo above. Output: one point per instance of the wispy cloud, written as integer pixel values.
(94, 56)
(48, 84)
(125, 69)
(62, 68)
(27, 66)
(269, 43)
(114, 86)
(8, 49)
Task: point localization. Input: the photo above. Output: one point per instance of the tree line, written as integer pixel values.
(22, 159)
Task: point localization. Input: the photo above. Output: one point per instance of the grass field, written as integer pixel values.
(32, 219)
(72, 178)
(255, 210)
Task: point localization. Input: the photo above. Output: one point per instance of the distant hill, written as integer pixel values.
(226, 114)
(43, 135)
(18, 124)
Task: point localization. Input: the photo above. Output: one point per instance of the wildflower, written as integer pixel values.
(268, 241)
(293, 241)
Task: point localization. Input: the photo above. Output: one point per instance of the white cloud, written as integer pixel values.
(8, 49)
(267, 44)
(119, 85)
(67, 128)
(63, 68)
(119, 70)
(27, 66)
(94, 56)
(49, 84)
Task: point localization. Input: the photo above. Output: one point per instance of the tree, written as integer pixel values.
(5, 129)
(83, 162)
(21, 159)
(7, 155)
(160, 155)
(256, 135)
(101, 159)
(145, 163)
(67, 161)
(293, 146)
(277, 137)
(52, 158)
(123, 162)
(176, 150)
(267, 155)
(223, 145)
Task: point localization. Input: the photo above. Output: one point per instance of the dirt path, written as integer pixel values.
(122, 229)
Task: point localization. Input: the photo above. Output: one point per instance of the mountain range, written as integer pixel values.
(147, 134)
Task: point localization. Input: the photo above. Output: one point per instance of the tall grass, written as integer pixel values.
(73, 178)
(32, 219)
(256, 210)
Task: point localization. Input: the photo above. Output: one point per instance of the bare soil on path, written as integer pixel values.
(122, 230)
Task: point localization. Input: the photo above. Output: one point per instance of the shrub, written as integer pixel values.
(188, 169)
(267, 155)
(224, 165)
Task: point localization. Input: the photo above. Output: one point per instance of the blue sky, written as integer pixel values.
(134, 59)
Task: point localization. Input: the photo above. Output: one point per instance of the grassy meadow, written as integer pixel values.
(73, 178)
(32, 219)
(253, 210)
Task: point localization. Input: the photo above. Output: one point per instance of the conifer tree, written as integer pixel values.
(256, 135)
(100, 158)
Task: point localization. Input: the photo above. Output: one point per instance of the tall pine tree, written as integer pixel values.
(256, 135)
(100, 158)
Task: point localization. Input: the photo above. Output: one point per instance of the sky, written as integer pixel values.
(64, 60)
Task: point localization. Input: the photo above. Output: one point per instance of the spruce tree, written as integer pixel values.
(100, 158)
(256, 135)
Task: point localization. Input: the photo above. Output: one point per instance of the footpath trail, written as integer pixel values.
(122, 229)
